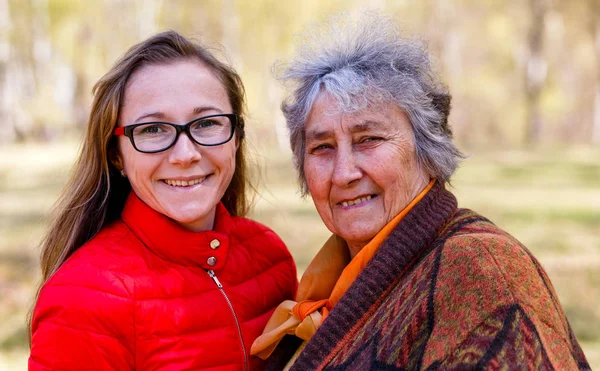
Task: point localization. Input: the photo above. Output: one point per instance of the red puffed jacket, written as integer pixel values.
(145, 294)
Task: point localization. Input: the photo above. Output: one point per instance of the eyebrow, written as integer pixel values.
(197, 111)
(361, 127)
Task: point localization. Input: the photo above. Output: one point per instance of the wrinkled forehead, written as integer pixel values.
(333, 101)
(328, 116)
(327, 103)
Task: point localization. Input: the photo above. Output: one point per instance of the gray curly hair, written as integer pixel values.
(368, 63)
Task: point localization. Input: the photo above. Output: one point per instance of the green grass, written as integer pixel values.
(549, 199)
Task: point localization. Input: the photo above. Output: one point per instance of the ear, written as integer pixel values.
(115, 158)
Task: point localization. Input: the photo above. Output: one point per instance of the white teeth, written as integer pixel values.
(356, 201)
(184, 183)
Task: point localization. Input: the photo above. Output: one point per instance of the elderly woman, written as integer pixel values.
(422, 284)
(150, 263)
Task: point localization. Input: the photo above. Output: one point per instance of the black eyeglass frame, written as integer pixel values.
(128, 131)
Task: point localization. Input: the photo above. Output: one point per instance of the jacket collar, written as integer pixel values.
(167, 239)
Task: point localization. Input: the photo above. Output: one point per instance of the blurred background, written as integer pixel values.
(524, 74)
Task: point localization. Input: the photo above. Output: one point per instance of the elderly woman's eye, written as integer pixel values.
(369, 139)
(320, 147)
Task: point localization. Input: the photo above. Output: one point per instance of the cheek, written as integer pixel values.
(395, 169)
(225, 160)
(405, 156)
(129, 159)
(140, 168)
(407, 182)
(317, 179)
(231, 158)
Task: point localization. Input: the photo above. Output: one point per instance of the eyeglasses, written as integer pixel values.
(152, 137)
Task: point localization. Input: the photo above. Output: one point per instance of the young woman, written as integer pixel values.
(149, 263)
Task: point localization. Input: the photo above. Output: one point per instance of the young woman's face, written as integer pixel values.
(186, 181)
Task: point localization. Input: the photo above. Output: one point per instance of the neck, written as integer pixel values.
(355, 247)
(205, 224)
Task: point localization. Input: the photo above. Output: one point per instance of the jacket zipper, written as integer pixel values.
(212, 275)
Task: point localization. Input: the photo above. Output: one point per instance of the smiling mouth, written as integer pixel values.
(356, 201)
(183, 183)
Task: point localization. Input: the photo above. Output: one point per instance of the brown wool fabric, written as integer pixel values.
(446, 290)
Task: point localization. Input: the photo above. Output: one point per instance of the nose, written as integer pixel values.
(346, 169)
(184, 152)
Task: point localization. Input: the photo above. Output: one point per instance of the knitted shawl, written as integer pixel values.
(446, 290)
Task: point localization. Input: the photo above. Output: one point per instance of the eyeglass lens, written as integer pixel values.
(156, 136)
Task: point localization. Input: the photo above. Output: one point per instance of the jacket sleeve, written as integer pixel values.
(83, 320)
(508, 339)
(506, 306)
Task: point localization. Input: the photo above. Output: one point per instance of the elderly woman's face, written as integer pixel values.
(186, 181)
(361, 168)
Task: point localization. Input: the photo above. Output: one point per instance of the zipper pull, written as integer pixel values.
(212, 275)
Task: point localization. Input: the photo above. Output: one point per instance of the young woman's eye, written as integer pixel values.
(208, 123)
(150, 129)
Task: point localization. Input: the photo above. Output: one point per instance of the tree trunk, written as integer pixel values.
(231, 32)
(450, 49)
(536, 68)
(6, 120)
(147, 11)
(596, 30)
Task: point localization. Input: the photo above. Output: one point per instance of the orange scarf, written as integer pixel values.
(323, 284)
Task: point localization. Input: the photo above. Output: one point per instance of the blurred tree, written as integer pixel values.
(19, 79)
(515, 75)
(596, 37)
(535, 74)
(147, 11)
(6, 118)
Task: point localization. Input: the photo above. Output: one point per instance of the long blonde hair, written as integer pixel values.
(96, 192)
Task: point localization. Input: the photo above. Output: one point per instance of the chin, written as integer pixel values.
(188, 218)
(185, 219)
(359, 232)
